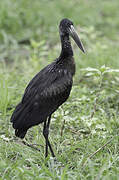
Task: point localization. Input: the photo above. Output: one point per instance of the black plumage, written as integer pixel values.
(49, 89)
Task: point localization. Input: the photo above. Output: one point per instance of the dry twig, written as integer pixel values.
(62, 128)
(93, 154)
(30, 145)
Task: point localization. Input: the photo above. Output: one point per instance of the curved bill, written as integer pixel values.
(76, 38)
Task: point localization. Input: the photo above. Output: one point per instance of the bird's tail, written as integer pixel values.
(20, 133)
(18, 120)
(23, 118)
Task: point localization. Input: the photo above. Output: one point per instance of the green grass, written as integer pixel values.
(90, 116)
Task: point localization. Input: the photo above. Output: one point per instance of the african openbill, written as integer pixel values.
(49, 89)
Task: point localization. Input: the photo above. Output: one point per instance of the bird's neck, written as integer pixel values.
(66, 49)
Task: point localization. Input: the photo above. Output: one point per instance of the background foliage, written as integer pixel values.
(84, 131)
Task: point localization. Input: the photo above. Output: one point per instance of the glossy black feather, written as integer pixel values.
(49, 89)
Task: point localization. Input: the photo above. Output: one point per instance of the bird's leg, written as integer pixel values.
(46, 133)
(48, 124)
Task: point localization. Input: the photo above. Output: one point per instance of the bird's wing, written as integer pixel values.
(43, 95)
(38, 83)
(47, 83)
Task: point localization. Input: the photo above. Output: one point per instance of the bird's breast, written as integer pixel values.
(68, 64)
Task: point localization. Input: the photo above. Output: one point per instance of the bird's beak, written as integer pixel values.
(76, 38)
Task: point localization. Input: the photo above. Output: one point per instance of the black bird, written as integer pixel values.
(49, 89)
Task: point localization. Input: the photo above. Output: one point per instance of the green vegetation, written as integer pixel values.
(89, 120)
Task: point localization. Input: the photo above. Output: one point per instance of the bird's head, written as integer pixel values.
(66, 28)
